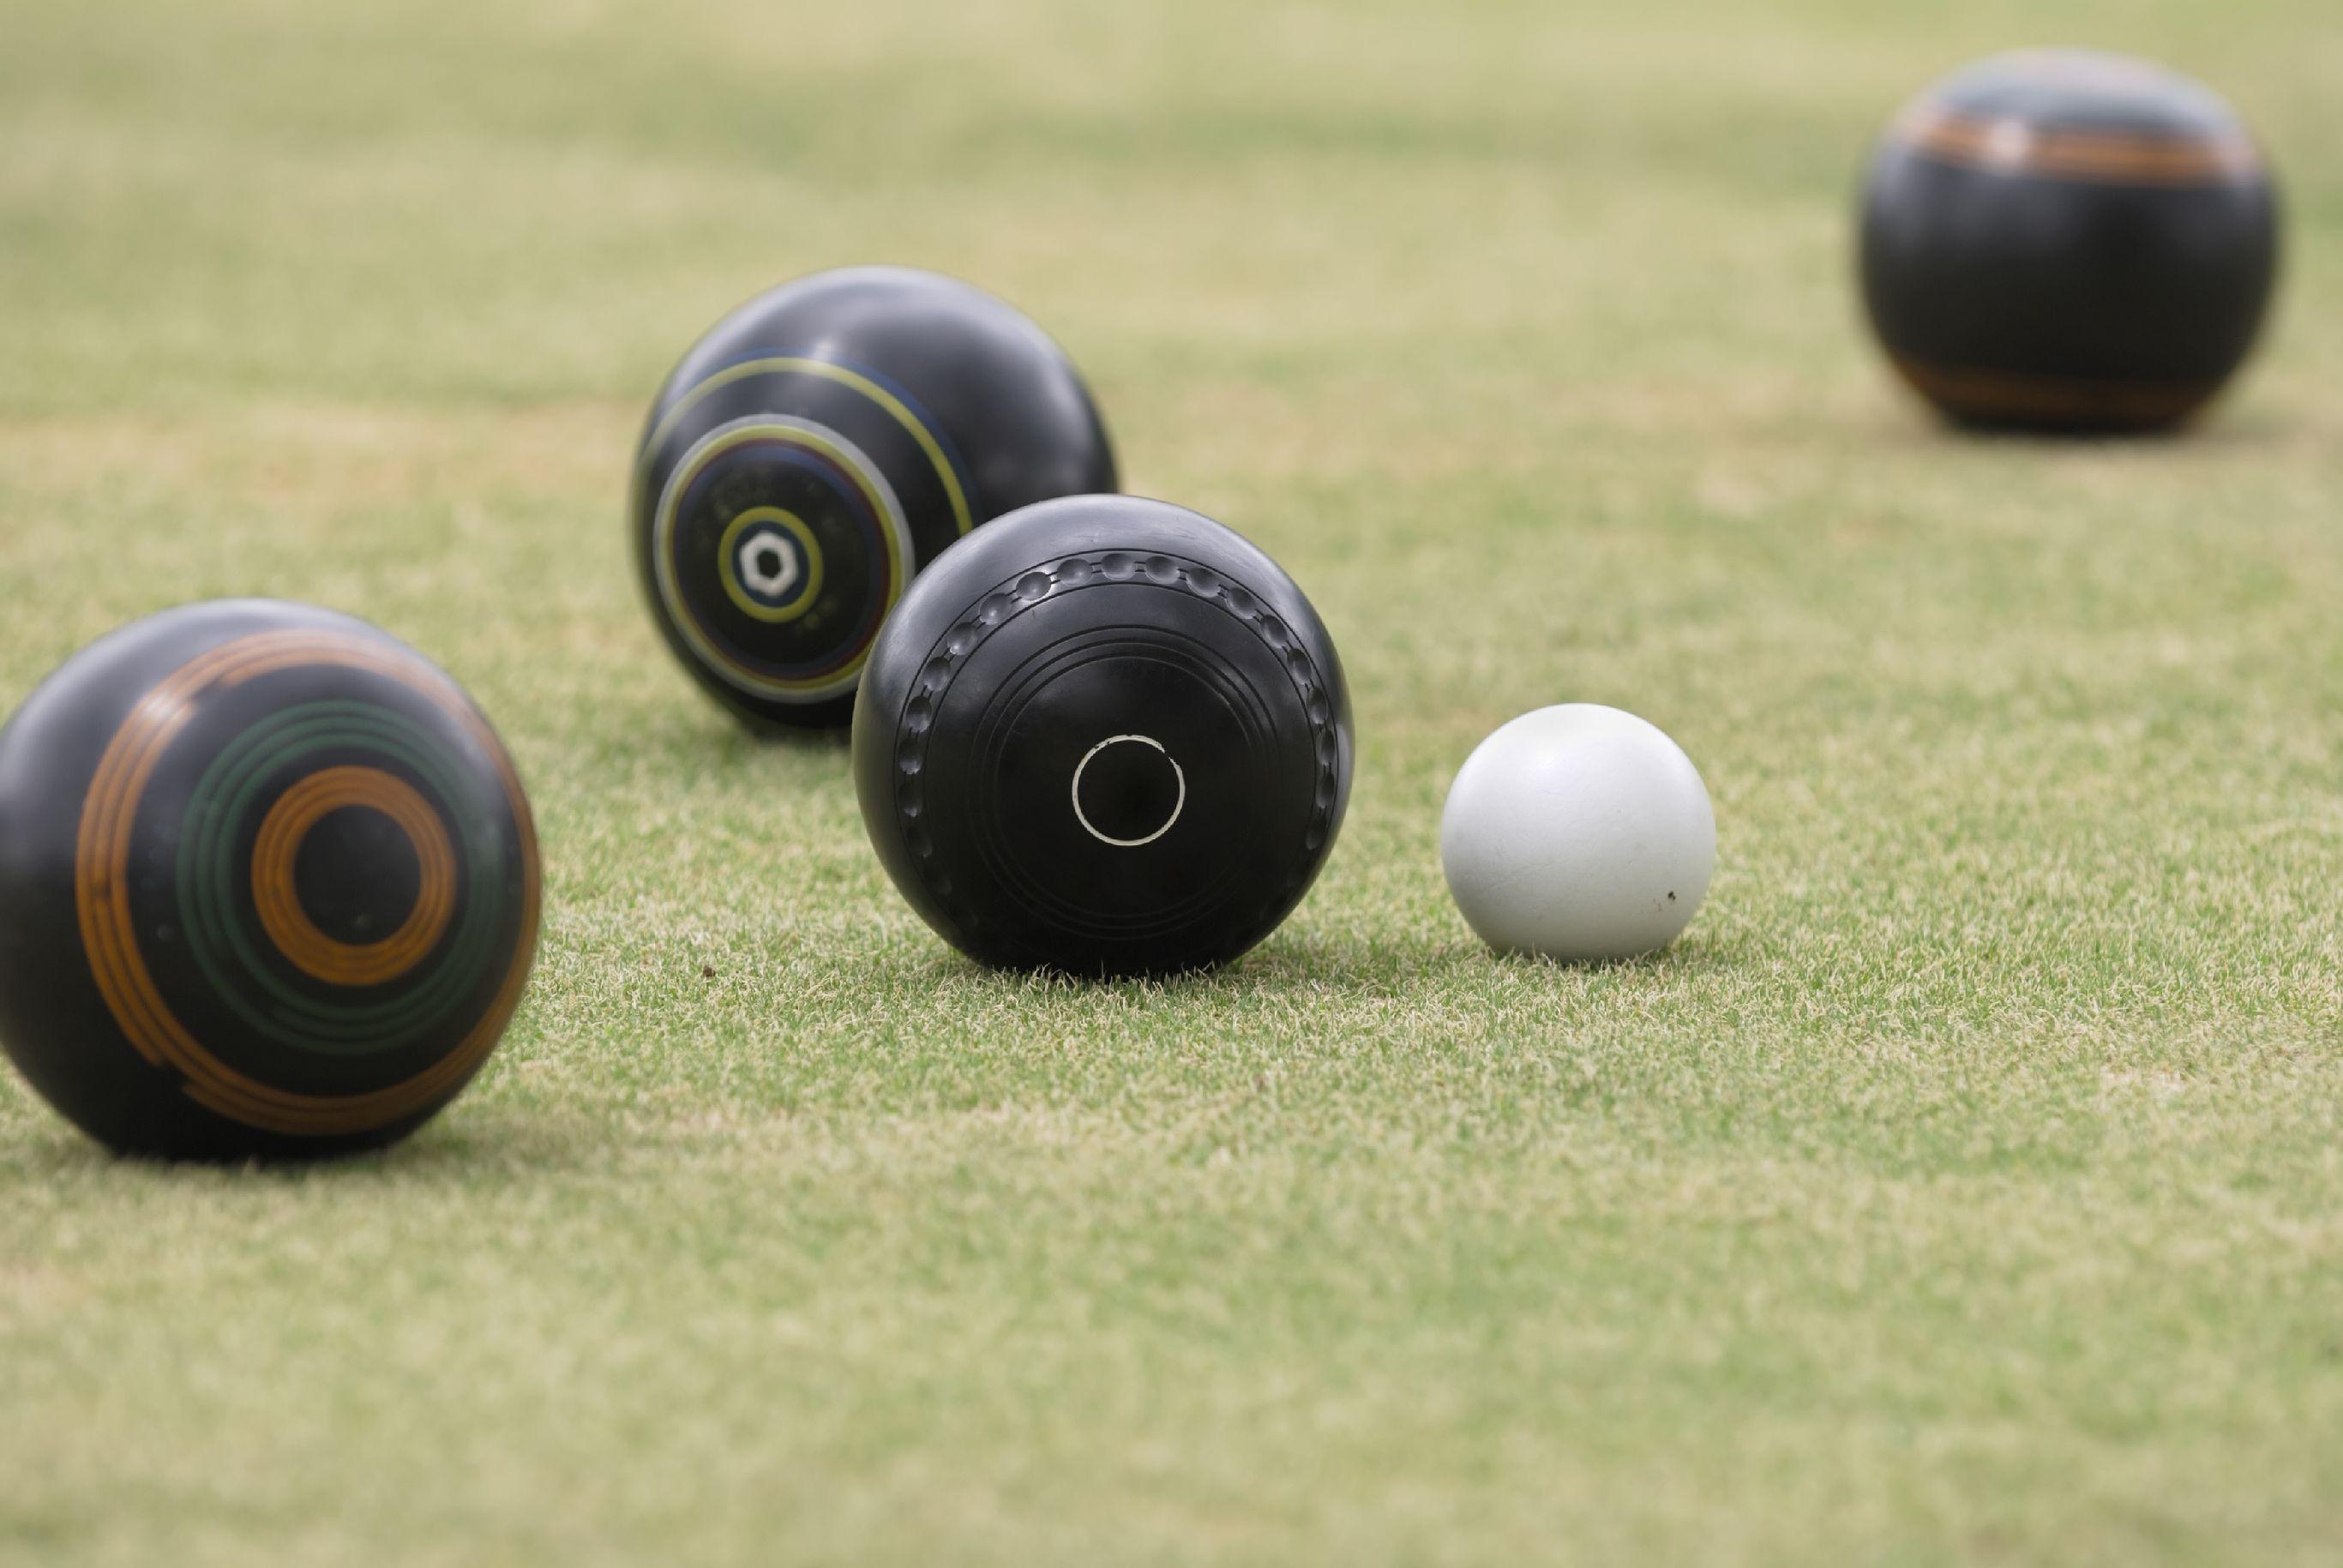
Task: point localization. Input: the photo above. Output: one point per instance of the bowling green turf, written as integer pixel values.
(1967, 1187)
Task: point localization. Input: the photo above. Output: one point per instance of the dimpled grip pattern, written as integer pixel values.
(969, 791)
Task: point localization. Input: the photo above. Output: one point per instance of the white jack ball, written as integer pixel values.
(1579, 832)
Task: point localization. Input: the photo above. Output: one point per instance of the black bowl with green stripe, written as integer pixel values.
(268, 885)
(821, 444)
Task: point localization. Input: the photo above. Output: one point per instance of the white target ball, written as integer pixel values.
(1579, 832)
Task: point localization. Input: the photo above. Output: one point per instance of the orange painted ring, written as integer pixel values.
(289, 925)
(2107, 157)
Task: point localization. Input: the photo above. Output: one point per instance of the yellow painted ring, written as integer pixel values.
(963, 517)
(727, 564)
(877, 495)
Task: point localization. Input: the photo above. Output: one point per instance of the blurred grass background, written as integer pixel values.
(1965, 1187)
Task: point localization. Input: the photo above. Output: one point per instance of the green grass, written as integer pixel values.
(1967, 1187)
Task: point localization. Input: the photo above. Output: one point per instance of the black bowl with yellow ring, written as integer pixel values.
(821, 444)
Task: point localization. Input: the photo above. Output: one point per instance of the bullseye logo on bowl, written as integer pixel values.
(771, 564)
(306, 880)
(784, 533)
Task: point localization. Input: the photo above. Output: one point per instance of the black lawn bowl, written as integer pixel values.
(1103, 736)
(268, 886)
(2065, 241)
(820, 445)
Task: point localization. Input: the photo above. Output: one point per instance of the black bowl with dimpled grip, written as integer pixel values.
(1105, 736)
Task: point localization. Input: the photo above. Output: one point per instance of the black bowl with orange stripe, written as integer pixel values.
(268, 885)
(2065, 240)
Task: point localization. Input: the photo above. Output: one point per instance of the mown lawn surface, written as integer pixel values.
(1967, 1187)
